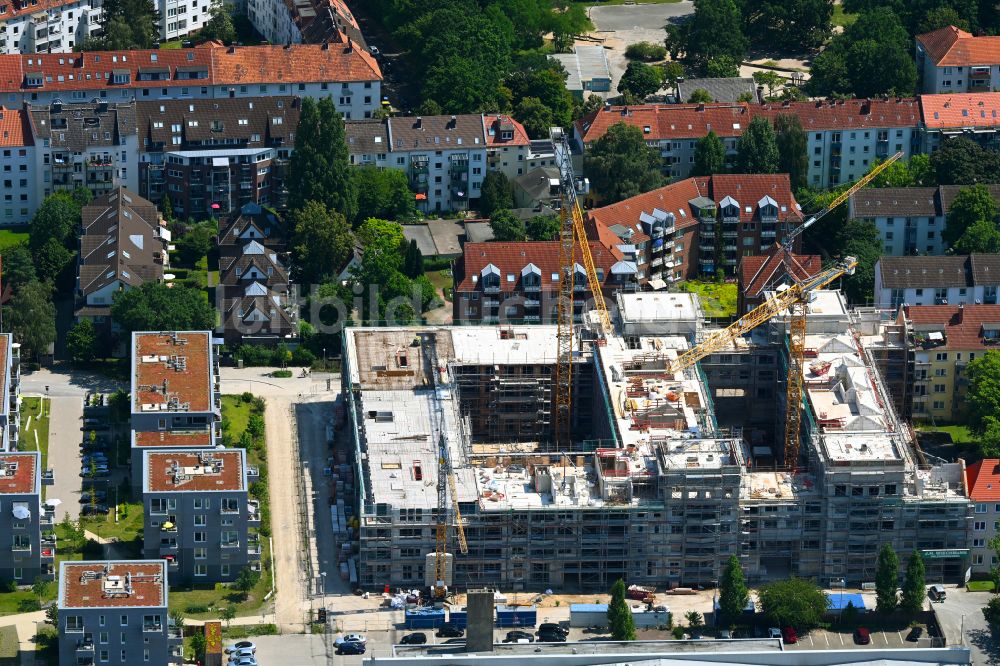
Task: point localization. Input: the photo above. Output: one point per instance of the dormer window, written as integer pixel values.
(506, 135)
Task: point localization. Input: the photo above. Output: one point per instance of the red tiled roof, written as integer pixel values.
(9, 10)
(982, 480)
(243, 65)
(511, 258)
(15, 131)
(671, 198)
(19, 481)
(962, 325)
(491, 126)
(760, 272)
(951, 46)
(749, 189)
(729, 120)
(961, 110)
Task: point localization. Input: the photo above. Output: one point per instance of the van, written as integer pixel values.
(937, 593)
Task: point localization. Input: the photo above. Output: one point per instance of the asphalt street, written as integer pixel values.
(961, 618)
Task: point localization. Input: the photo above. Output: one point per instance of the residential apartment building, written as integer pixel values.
(445, 157)
(845, 137)
(982, 480)
(257, 302)
(911, 220)
(944, 338)
(951, 60)
(197, 512)
(349, 76)
(212, 156)
(31, 548)
(19, 190)
(764, 273)
(519, 282)
(91, 145)
(10, 392)
(975, 116)
(115, 612)
(175, 393)
(55, 26)
(698, 226)
(123, 245)
(304, 21)
(950, 280)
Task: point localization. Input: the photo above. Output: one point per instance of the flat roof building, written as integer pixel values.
(24, 519)
(10, 392)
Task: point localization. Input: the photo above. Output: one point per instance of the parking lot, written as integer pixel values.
(820, 639)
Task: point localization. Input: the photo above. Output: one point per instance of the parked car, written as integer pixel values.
(449, 631)
(242, 645)
(244, 661)
(937, 593)
(551, 637)
(351, 638)
(97, 427)
(915, 634)
(418, 638)
(242, 653)
(95, 472)
(455, 641)
(350, 647)
(725, 634)
(862, 636)
(93, 495)
(547, 627)
(789, 636)
(94, 510)
(517, 636)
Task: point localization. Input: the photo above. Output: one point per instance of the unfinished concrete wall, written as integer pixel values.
(479, 632)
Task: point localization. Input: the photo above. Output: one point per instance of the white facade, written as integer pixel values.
(18, 185)
(272, 19)
(985, 526)
(841, 156)
(935, 80)
(911, 235)
(179, 18)
(55, 29)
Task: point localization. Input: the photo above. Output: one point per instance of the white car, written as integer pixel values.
(242, 653)
(351, 638)
(242, 645)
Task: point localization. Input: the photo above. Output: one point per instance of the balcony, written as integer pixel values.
(168, 548)
(48, 477)
(253, 507)
(152, 627)
(253, 550)
(421, 167)
(459, 166)
(532, 303)
(491, 289)
(85, 645)
(230, 544)
(48, 553)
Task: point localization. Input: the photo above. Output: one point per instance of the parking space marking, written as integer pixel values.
(826, 636)
(841, 636)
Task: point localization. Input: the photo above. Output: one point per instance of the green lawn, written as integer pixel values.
(10, 604)
(959, 434)
(35, 436)
(235, 416)
(440, 279)
(980, 586)
(127, 530)
(842, 18)
(219, 595)
(717, 300)
(10, 237)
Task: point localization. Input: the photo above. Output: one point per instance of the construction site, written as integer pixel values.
(642, 444)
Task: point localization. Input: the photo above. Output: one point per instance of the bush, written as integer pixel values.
(281, 374)
(246, 396)
(252, 630)
(302, 356)
(646, 51)
(195, 608)
(8, 586)
(28, 606)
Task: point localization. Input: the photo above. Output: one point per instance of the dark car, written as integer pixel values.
(449, 631)
(789, 636)
(552, 627)
(96, 496)
(862, 636)
(100, 471)
(517, 635)
(915, 634)
(551, 637)
(418, 638)
(455, 641)
(93, 510)
(351, 647)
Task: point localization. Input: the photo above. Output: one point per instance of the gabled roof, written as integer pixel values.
(961, 110)
(270, 305)
(951, 46)
(255, 122)
(964, 326)
(77, 127)
(982, 480)
(15, 129)
(750, 189)
(250, 216)
(459, 132)
(763, 272)
(939, 272)
(873, 202)
(510, 259)
(721, 90)
(367, 137)
(253, 255)
(495, 125)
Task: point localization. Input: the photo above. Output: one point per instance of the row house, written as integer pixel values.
(349, 76)
(56, 26)
(18, 188)
(123, 244)
(444, 157)
(304, 21)
(210, 157)
(951, 60)
(519, 282)
(949, 280)
(255, 289)
(27, 524)
(197, 513)
(116, 612)
(910, 220)
(698, 226)
(982, 481)
(845, 137)
(943, 339)
(91, 145)
(974, 116)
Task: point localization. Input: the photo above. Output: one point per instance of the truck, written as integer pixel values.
(640, 593)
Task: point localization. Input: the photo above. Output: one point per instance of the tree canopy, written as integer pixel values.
(972, 210)
(714, 31)
(757, 149)
(31, 317)
(640, 80)
(793, 156)
(495, 193)
(382, 193)
(793, 25)
(795, 603)
(322, 242)
(887, 580)
(125, 24)
(962, 161)
(507, 227)
(861, 239)
(733, 592)
(320, 165)
(541, 80)
(914, 586)
(620, 619)
(620, 164)
(709, 156)
(155, 306)
(220, 26)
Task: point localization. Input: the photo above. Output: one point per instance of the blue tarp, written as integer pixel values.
(838, 601)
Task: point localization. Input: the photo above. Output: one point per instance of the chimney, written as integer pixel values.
(326, 45)
(701, 107)
(350, 46)
(232, 48)
(453, 123)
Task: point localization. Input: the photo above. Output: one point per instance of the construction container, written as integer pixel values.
(517, 616)
(424, 618)
(459, 618)
(588, 615)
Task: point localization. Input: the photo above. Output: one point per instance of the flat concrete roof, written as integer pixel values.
(659, 306)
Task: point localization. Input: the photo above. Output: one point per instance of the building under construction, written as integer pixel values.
(669, 472)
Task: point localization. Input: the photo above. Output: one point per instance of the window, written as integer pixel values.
(199, 537)
(941, 356)
(200, 570)
(979, 526)
(200, 553)
(939, 388)
(199, 520)
(124, 620)
(981, 507)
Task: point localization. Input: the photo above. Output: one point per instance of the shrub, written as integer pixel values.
(195, 608)
(246, 396)
(646, 51)
(28, 605)
(281, 374)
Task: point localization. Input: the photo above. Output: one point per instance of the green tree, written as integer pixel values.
(592, 104)
(991, 612)
(733, 593)
(81, 341)
(413, 260)
(195, 242)
(57, 218)
(942, 17)
(125, 24)
(382, 193)
(246, 580)
(18, 266)
(535, 116)
(971, 205)
(507, 227)
(793, 154)
(887, 580)
(769, 79)
(544, 80)
(715, 30)
(700, 96)
(382, 241)
(982, 401)
(255, 426)
(757, 149)
(673, 72)
(543, 227)
(227, 614)
(861, 239)
(322, 241)
(709, 156)
(962, 161)
(795, 602)
(793, 25)
(220, 26)
(981, 237)
(722, 67)
(495, 193)
(320, 165)
(621, 165)
(620, 618)
(914, 586)
(694, 619)
(31, 317)
(640, 80)
(155, 306)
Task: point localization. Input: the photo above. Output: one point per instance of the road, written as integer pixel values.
(64, 454)
(962, 612)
